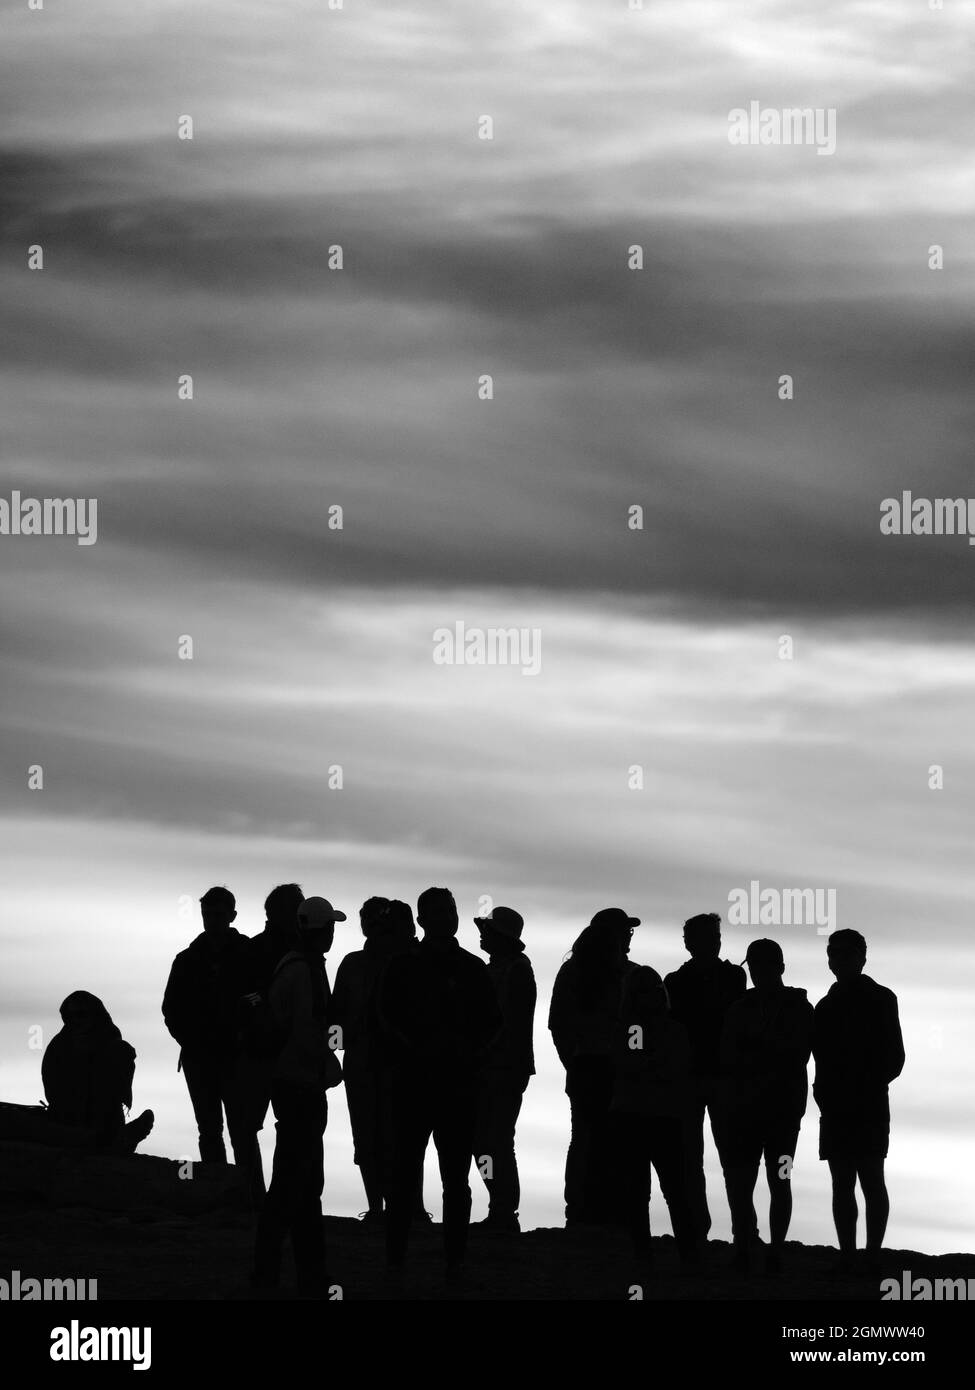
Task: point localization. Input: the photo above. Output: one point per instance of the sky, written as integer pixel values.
(613, 388)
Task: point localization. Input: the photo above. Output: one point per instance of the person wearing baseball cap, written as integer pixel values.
(304, 1068)
(508, 1066)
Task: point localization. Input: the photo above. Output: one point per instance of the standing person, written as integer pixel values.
(652, 1061)
(305, 1067)
(859, 1051)
(700, 993)
(87, 1071)
(200, 1008)
(438, 1012)
(280, 935)
(354, 984)
(509, 1064)
(765, 1049)
(582, 1019)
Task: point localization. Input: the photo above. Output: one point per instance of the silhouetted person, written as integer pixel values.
(87, 1071)
(700, 994)
(266, 950)
(509, 1064)
(764, 1053)
(439, 1013)
(303, 1070)
(859, 1050)
(583, 1020)
(652, 1060)
(355, 983)
(200, 1008)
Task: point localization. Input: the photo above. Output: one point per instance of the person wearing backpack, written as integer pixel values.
(303, 1069)
(200, 1010)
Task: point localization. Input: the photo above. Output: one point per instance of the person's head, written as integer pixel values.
(398, 924)
(84, 1014)
(644, 995)
(614, 927)
(371, 914)
(436, 913)
(500, 932)
(846, 953)
(702, 936)
(218, 908)
(281, 907)
(316, 918)
(766, 963)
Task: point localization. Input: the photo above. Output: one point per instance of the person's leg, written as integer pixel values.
(579, 1091)
(722, 1132)
(843, 1173)
(363, 1098)
(203, 1083)
(631, 1158)
(693, 1146)
(602, 1200)
(665, 1150)
(875, 1201)
(780, 1152)
(275, 1217)
(411, 1123)
(307, 1231)
(453, 1134)
(494, 1147)
(237, 1102)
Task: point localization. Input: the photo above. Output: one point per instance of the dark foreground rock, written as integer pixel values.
(145, 1232)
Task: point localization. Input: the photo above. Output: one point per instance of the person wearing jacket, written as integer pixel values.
(87, 1072)
(200, 1009)
(700, 994)
(652, 1061)
(859, 1050)
(583, 1018)
(509, 1064)
(304, 1068)
(439, 1015)
(765, 1045)
(355, 984)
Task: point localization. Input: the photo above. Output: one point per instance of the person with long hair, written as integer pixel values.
(583, 1017)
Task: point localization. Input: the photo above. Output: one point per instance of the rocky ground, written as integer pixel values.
(144, 1232)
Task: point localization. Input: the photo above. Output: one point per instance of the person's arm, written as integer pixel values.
(339, 1008)
(894, 1055)
(560, 1018)
(174, 1004)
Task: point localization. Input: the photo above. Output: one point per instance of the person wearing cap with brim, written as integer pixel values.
(304, 1068)
(508, 1066)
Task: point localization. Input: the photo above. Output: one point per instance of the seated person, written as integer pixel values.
(87, 1072)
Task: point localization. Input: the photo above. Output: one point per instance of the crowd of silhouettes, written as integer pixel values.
(438, 1045)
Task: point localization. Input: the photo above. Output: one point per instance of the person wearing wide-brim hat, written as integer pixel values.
(508, 1067)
